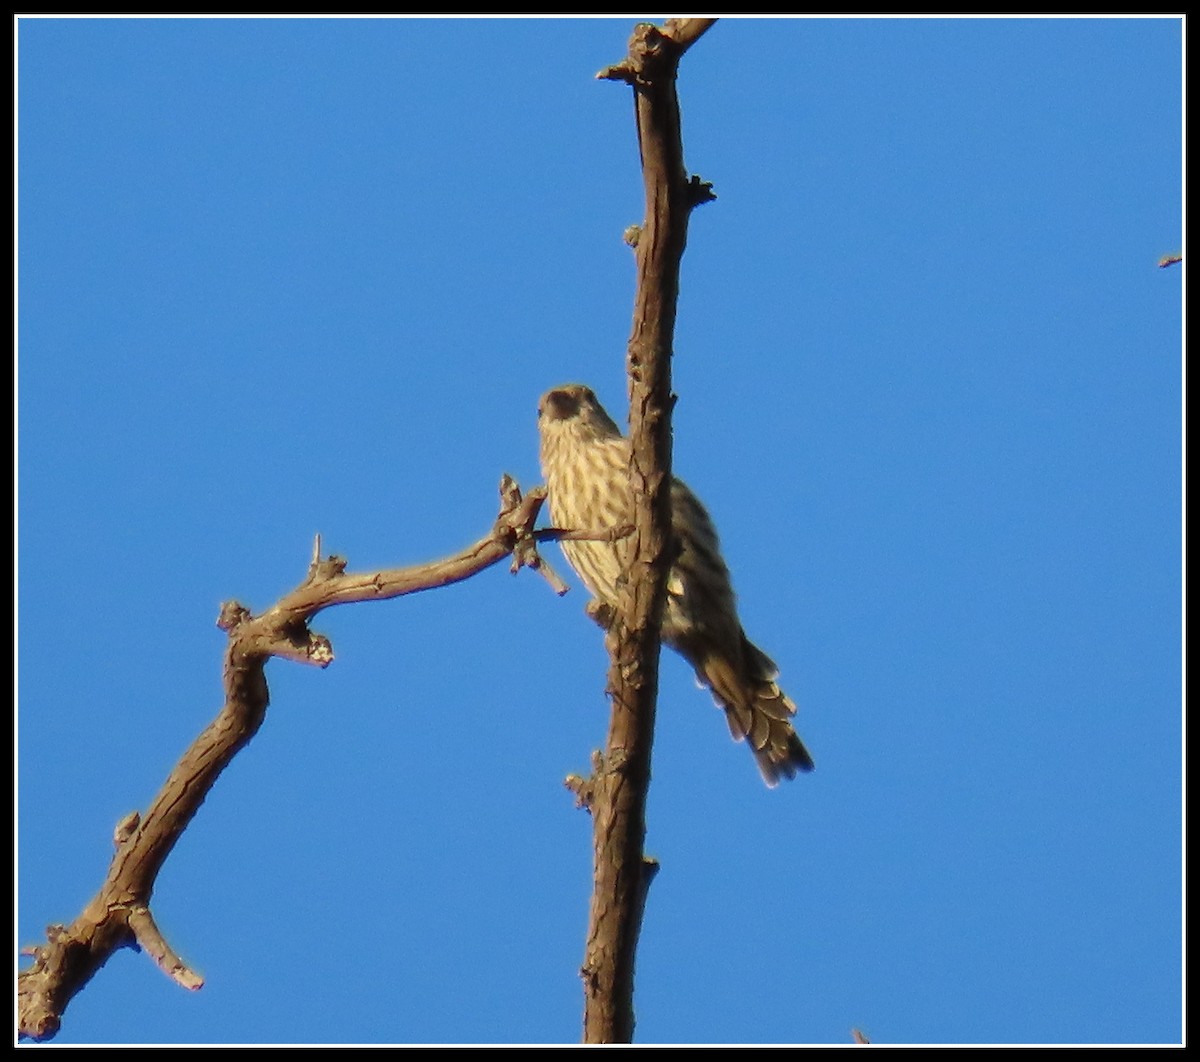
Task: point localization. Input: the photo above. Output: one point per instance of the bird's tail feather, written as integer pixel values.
(756, 710)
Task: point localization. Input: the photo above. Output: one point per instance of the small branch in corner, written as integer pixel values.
(150, 939)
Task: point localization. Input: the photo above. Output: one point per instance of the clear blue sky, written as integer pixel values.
(281, 277)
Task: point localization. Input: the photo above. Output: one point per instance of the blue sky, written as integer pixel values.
(281, 277)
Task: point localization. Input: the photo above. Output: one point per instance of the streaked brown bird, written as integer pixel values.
(585, 460)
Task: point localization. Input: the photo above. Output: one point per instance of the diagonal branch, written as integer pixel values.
(616, 794)
(119, 914)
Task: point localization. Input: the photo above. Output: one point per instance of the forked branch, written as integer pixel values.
(119, 914)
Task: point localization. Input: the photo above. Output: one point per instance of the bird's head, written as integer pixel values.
(575, 407)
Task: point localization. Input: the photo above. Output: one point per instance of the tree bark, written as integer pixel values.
(616, 794)
(119, 914)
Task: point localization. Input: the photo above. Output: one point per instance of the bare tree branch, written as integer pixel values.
(119, 914)
(616, 794)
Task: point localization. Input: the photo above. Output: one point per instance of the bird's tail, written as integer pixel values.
(757, 710)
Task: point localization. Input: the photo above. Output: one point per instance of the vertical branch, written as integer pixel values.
(622, 873)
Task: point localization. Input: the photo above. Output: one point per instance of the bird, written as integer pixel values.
(585, 462)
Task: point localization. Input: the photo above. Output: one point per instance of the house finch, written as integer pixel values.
(585, 460)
